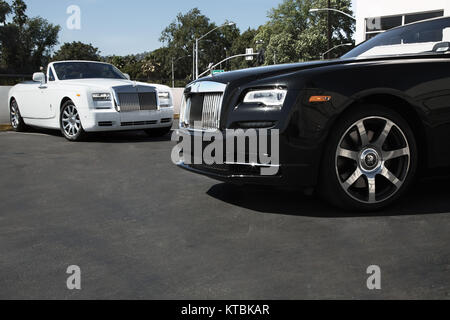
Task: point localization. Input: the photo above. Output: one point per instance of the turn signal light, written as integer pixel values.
(319, 99)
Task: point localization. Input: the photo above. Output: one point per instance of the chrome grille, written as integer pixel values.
(130, 102)
(147, 101)
(202, 105)
(212, 103)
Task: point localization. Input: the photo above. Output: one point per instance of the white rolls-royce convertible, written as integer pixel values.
(82, 96)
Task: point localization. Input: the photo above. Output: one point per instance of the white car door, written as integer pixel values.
(27, 97)
(46, 92)
(33, 102)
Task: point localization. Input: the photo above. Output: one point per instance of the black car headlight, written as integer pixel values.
(267, 97)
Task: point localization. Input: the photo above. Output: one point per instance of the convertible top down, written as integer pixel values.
(82, 96)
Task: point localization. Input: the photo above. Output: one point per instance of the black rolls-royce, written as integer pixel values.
(358, 129)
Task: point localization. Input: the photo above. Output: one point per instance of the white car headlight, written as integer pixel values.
(164, 99)
(270, 97)
(101, 96)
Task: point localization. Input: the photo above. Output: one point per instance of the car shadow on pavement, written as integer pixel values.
(425, 197)
(108, 137)
(124, 137)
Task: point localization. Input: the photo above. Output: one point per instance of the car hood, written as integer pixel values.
(268, 71)
(106, 84)
(252, 74)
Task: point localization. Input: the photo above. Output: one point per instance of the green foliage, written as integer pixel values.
(77, 51)
(179, 38)
(294, 34)
(244, 41)
(26, 43)
(19, 8)
(5, 9)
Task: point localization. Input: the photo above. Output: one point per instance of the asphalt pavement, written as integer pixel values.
(140, 228)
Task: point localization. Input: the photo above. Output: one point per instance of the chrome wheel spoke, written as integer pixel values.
(352, 179)
(372, 189)
(389, 155)
(384, 134)
(347, 154)
(391, 177)
(363, 133)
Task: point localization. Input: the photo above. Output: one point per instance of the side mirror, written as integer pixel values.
(127, 76)
(39, 77)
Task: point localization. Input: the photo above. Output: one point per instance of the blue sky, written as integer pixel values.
(134, 26)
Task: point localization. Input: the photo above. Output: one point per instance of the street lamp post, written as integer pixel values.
(335, 10)
(338, 46)
(213, 66)
(197, 40)
(328, 10)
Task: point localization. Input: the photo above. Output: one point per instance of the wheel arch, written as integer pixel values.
(63, 101)
(11, 99)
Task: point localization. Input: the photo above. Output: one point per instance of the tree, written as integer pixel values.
(5, 10)
(77, 51)
(26, 43)
(179, 38)
(294, 34)
(19, 8)
(41, 36)
(131, 64)
(240, 44)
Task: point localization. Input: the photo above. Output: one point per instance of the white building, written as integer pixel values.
(375, 16)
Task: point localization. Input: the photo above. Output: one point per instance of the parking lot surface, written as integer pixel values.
(140, 228)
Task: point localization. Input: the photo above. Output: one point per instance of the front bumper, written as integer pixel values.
(288, 173)
(233, 173)
(111, 120)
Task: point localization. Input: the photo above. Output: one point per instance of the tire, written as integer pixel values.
(15, 118)
(70, 122)
(370, 160)
(158, 132)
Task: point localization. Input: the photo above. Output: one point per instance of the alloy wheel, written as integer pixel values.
(14, 115)
(71, 121)
(373, 159)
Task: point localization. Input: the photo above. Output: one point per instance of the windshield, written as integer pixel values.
(86, 70)
(418, 38)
